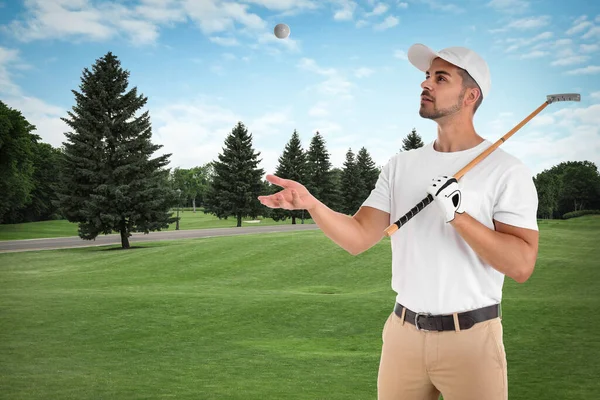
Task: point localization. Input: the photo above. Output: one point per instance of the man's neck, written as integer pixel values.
(456, 135)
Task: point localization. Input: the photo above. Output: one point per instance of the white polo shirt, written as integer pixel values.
(433, 269)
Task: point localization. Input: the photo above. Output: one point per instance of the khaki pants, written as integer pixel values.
(461, 365)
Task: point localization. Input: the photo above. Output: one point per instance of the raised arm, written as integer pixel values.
(355, 234)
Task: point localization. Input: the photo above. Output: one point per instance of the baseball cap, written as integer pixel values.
(421, 57)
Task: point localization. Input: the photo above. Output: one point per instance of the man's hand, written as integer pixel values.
(447, 196)
(294, 195)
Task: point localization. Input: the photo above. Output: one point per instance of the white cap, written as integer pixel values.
(421, 57)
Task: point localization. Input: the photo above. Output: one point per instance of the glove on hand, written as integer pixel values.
(447, 196)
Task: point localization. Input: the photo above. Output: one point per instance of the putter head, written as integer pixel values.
(551, 98)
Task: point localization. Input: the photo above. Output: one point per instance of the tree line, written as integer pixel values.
(106, 178)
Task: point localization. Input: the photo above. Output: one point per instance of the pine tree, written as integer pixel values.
(367, 172)
(412, 141)
(237, 181)
(351, 185)
(292, 165)
(108, 182)
(319, 180)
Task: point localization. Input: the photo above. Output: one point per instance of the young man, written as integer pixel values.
(450, 260)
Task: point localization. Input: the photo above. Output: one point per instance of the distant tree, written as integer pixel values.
(367, 172)
(568, 186)
(337, 195)
(108, 180)
(292, 165)
(580, 187)
(352, 186)
(320, 182)
(16, 160)
(412, 141)
(237, 180)
(42, 205)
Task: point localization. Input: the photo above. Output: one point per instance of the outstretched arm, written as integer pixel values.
(354, 234)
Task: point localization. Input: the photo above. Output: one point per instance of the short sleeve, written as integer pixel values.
(517, 199)
(380, 196)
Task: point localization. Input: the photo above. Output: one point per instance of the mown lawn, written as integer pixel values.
(270, 316)
(188, 220)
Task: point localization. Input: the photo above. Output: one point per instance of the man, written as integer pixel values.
(449, 262)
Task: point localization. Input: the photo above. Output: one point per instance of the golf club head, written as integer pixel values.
(551, 98)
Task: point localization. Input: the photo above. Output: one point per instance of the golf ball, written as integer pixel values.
(282, 31)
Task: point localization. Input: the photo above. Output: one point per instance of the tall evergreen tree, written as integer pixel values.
(412, 141)
(351, 186)
(108, 180)
(16, 160)
(367, 172)
(292, 165)
(237, 181)
(319, 181)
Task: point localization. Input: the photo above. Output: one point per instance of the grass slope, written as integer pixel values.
(278, 316)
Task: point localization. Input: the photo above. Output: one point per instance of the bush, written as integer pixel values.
(579, 213)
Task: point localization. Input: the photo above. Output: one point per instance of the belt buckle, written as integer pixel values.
(417, 321)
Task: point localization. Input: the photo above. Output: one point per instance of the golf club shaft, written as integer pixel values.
(427, 200)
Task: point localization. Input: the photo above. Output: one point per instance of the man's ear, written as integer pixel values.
(473, 96)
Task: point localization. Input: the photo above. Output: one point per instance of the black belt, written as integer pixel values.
(428, 322)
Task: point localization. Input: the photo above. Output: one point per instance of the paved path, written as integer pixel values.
(103, 240)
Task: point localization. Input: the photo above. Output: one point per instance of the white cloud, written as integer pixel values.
(569, 134)
(534, 54)
(361, 23)
(83, 20)
(311, 65)
(335, 85)
(402, 5)
(224, 41)
(591, 69)
(443, 6)
(45, 116)
(272, 43)
(77, 20)
(530, 23)
(578, 27)
(346, 9)
(595, 31)
(379, 9)
(319, 110)
(363, 72)
(570, 60)
(8, 58)
(509, 6)
(400, 54)
(595, 95)
(389, 22)
(517, 43)
(563, 42)
(288, 6)
(589, 48)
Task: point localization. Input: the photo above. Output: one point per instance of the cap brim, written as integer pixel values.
(421, 56)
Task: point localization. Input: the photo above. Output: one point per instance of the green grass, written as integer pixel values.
(189, 220)
(277, 316)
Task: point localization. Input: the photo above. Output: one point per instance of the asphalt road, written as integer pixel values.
(103, 240)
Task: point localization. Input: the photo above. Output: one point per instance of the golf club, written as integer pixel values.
(427, 200)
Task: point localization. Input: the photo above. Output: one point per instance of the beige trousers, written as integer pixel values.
(461, 365)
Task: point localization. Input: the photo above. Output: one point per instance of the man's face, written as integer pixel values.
(442, 91)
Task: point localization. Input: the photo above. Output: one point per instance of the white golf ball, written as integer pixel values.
(282, 31)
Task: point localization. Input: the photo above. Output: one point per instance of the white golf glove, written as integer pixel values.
(447, 196)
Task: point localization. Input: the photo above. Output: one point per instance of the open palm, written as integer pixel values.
(294, 195)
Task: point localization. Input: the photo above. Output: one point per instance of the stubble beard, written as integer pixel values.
(439, 113)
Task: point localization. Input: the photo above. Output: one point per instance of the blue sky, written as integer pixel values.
(206, 64)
